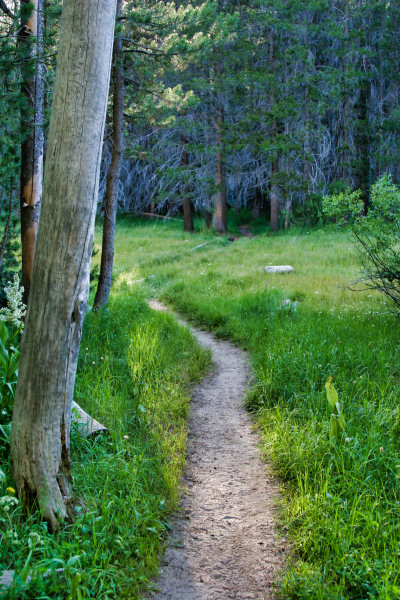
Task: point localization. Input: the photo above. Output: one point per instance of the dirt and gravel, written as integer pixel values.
(224, 542)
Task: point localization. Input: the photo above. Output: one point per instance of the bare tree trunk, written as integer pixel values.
(40, 440)
(362, 142)
(208, 218)
(257, 203)
(32, 132)
(274, 190)
(345, 168)
(307, 144)
(288, 208)
(219, 221)
(274, 199)
(111, 193)
(187, 204)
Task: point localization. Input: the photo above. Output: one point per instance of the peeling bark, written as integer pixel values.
(40, 453)
(31, 174)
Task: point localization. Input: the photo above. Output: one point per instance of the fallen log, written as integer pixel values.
(87, 426)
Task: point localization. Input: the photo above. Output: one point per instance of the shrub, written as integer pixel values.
(377, 233)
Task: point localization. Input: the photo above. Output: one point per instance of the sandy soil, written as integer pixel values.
(224, 542)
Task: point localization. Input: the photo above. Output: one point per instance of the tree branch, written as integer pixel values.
(6, 10)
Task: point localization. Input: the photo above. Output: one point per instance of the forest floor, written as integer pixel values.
(224, 541)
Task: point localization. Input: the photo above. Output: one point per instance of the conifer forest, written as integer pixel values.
(199, 299)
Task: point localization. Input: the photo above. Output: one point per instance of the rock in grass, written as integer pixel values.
(280, 269)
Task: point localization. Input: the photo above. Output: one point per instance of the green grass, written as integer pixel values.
(340, 501)
(135, 372)
(340, 507)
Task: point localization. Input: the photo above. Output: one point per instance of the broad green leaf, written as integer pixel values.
(331, 393)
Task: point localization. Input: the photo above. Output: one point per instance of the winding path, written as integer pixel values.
(224, 542)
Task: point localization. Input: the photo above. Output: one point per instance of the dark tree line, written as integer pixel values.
(266, 105)
(297, 100)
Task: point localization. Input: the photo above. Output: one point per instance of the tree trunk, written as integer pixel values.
(257, 203)
(288, 208)
(208, 218)
(32, 134)
(345, 163)
(362, 143)
(187, 204)
(274, 190)
(219, 221)
(111, 193)
(274, 199)
(40, 440)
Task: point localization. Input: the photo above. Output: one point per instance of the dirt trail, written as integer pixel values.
(224, 541)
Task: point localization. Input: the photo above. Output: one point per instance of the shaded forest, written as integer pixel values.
(262, 105)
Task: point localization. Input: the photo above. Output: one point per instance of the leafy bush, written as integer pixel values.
(377, 233)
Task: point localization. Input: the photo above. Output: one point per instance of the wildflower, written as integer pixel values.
(10, 491)
(15, 311)
(7, 502)
(126, 437)
(347, 440)
(34, 539)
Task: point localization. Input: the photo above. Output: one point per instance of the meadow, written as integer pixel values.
(340, 497)
(135, 374)
(339, 508)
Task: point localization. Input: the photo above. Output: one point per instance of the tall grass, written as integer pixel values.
(135, 373)
(340, 507)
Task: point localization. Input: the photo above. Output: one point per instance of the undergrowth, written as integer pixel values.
(135, 371)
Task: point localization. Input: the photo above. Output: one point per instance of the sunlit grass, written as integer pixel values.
(135, 373)
(341, 500)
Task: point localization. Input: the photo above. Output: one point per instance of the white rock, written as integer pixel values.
(280, 269)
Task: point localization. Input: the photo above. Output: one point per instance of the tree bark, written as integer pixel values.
(362, 142)
(288, 208)
(257, 203)
(219, 220)
(274, 199)
(31, 174)
(111, 193)
(40, 440)
(186, 202)
(274, 189)
(208, 218)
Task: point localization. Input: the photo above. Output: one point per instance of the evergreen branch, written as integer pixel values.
(6, 10)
